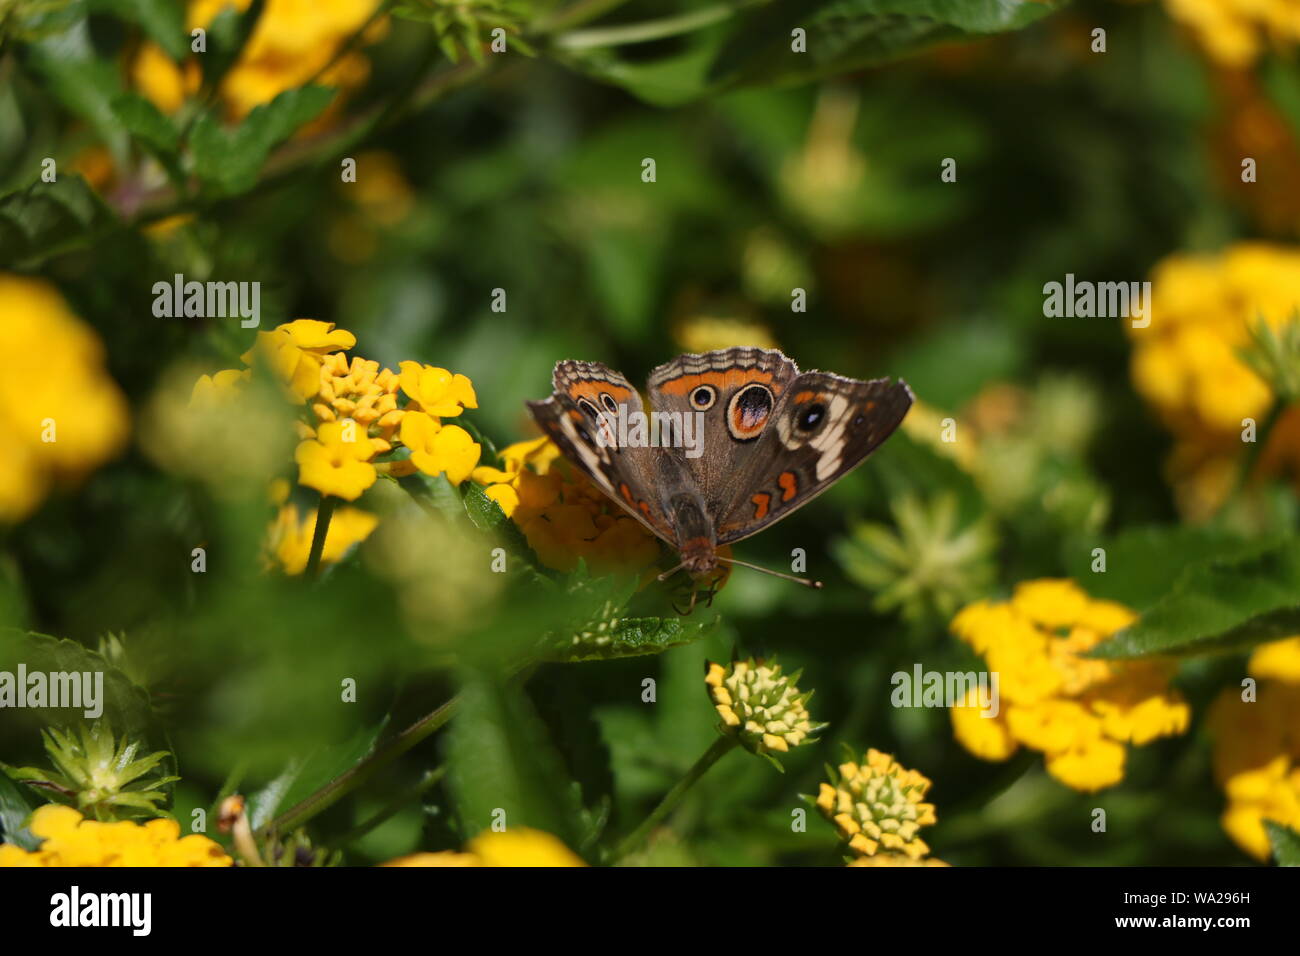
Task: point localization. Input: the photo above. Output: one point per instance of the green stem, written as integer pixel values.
(575, 15)
(649, 30)
(345, 783)
(324, 512)
(360, 773)
(719, 749)
(1253, 452)
(414, 792)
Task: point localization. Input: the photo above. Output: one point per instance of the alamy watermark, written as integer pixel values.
(1102, 300)
(922, 688)
(636, 429)
(208, 300)
(75, 689)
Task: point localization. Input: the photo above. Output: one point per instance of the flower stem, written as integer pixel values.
(345, 783)
(414, 792)
(360, 773)
(324, 512)
(649, 30)
(1253, 452)
(719, 749)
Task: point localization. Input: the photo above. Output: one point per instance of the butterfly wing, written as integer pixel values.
(732, 394)
(822, 427)
(576, 417)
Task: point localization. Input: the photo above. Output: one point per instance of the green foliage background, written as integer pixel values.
(524, 171)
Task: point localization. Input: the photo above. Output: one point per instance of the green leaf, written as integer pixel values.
(1286, 843)
(627, 637)
(163, 20)
(125, 704)
(564, 705)
(14, 811)
(487, 515)
(82, 81)
(146, 123)
(844, 35)
(227, 33)
(35, 222)
(229, 160)
(1225, 605)
(500, 758)
(304, 776)
(1143, 564)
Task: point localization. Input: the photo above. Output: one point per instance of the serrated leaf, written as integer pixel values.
(487, 515)
(125, 704)
(500, 758)
(146, 122)
(36, 222)
(1222, 606)
(1285, 843)
(14, 811)
(626, 637)
(844, 35)
(82, 81)
(304, 776)
(1143, 564)
(229, 160)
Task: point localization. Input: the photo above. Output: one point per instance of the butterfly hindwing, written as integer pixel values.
(823, 426)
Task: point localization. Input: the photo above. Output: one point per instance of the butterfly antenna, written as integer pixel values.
(806, 582)
(671, 571)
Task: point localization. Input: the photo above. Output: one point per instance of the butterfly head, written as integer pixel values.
(699, 556)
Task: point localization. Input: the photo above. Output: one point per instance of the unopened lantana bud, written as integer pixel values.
(760, 706)
(877, 806)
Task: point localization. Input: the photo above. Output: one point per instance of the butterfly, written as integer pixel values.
(732, 441)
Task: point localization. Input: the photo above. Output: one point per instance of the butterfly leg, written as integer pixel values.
(689, 608)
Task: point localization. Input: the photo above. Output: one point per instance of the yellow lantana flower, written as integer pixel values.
(878, 806)
(1256, 756)
(288, 544)
(437, 391)
(337, 461)
(439, 449)
(1187, 365)
(70, 840)
(502, 484)
(293, 41)
(564, 517)
(61, 415)
(1078, 711)
(1279, 660)
(1236, 32)
(516, 846)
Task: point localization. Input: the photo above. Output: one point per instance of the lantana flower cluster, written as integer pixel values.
(1188, 365)
(69, 840)
(564, 517)
(1257, 747)
(1080, 712)
(355, 419)
(61, 415)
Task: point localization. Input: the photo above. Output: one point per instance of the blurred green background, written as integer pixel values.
(480, 171)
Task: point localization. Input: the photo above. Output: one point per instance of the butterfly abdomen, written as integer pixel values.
(696, 540)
